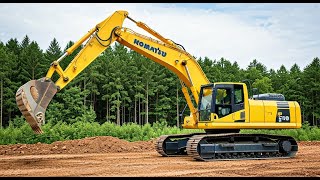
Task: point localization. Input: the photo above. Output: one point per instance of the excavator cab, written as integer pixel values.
(221, 99)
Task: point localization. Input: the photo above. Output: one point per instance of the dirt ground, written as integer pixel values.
(109, 156)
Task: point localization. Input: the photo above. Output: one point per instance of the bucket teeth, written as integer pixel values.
(32, 99)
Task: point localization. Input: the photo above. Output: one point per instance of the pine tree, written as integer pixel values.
(54, 51)
(13, 46)
(25, 42)
(311, 88)
(8, 86)
(70, 109)
(32, 60)
(259, 66)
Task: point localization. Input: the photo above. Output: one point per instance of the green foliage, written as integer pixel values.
(128, 131)
(8, 73)
(18, 121)
(32, 62)
(311, 90)
(253, 74)
(71, 109)
(264, 85)
(259, 66)
(52, 53)
(81, 129)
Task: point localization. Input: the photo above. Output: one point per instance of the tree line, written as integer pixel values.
(123, 86)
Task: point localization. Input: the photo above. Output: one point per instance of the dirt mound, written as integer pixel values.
(99, 144)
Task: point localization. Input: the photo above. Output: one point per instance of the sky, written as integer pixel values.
(273, 34)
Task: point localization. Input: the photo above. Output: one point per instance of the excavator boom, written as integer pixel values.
(34, 96)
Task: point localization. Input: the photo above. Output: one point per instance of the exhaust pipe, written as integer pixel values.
(33, 98)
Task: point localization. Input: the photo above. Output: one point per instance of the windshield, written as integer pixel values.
(206, 99)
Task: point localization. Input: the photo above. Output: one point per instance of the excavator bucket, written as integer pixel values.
(33, 98)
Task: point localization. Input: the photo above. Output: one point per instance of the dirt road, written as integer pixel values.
(108, 156)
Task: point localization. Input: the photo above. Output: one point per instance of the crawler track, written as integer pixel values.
(173, 145)
(235, 146)
(227, 146)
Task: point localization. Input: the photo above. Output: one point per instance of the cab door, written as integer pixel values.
(223, 103)
(238, 106)
(238, 97)
(229, 98)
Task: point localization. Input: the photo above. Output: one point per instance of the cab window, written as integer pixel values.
(223, 96)
(206, 99)
(238, 94)
(223, 102)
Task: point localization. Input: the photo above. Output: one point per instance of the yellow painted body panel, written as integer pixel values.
(222, 125)
(256, 111)
(262, 115)
(270, 111)
(170, 57)
(237, 116)
(266, 111)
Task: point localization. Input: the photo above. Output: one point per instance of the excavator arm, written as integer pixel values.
(34, 96)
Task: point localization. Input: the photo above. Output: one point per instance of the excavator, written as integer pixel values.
(221, 109)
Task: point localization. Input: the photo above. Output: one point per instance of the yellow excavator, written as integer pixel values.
(220, 108)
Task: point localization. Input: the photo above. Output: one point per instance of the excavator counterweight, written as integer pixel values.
(33, 98)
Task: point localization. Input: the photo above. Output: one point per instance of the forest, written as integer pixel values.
(122, 86)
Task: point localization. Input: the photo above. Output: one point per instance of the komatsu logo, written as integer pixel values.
(150, 48)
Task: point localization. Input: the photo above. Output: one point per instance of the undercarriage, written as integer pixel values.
(227, 146)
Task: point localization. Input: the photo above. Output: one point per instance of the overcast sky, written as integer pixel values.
(274, 34)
